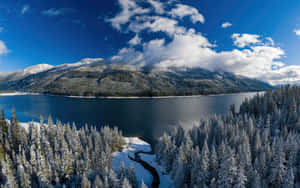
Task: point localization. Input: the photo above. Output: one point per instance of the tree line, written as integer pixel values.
(259, 146)
(48, 155)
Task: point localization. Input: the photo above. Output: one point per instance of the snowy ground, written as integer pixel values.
(134, 144)
(165, 180)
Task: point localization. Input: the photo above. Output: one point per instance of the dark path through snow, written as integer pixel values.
(152, 170)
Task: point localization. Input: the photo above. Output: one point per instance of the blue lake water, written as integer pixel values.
(146, 118)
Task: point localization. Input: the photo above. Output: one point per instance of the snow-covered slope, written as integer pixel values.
(44, 67)
(97, 77)
(16, 75)
(37, 69)
(83, 62)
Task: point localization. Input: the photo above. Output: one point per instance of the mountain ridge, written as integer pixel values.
(96, 77)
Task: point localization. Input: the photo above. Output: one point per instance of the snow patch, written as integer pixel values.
(132, 145)
(165, 179)
(37, 69)
(82, 62)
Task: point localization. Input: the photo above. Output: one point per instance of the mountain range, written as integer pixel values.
(97, 77)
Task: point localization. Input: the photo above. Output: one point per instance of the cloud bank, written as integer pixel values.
(255, 56)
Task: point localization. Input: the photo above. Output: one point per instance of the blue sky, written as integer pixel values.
(66, 31)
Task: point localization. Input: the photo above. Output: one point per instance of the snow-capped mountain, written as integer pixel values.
(17, 75)
(36, 69)
(83, 62)
(96, 77)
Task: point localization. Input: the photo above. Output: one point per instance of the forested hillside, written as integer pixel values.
(257, 147)
(48, 155)
(94, 77)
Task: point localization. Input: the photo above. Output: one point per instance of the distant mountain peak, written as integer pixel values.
(37, 69)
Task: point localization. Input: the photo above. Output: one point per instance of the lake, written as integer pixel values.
(144, 117)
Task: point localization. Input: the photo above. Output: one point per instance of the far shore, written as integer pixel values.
(6, 94)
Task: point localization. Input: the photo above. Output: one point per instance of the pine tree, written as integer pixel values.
(132, 177)
(196, 174)
(126, 184)
(13, 130)
(7, 170)
(228, 170)
(204, 164)
(23, 177)
(213, 165)
(33, 158)
(257, 144)
(179, 175)
(289, 179)
(98, 182)
(3, 125)
(256, 183)
(277, 166)
(241, 178)
(85, 182)
(143, 185)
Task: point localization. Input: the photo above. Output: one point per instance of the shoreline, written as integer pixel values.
(123, 97)
(17, 94)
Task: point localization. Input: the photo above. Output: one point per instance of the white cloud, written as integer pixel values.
(185, 10)
(185, 47)
(193, 50)
(158, 6)
(129, 56)
(25, 9)
(226, 24)
(52, 12)
(254, 62)
(270, 41)
(1, 29)
(243, 40)
(156, 24)
(129, 9)
(297, 31)
(3, 48)
(136, 40)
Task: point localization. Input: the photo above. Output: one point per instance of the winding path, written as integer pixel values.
(152, 170)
